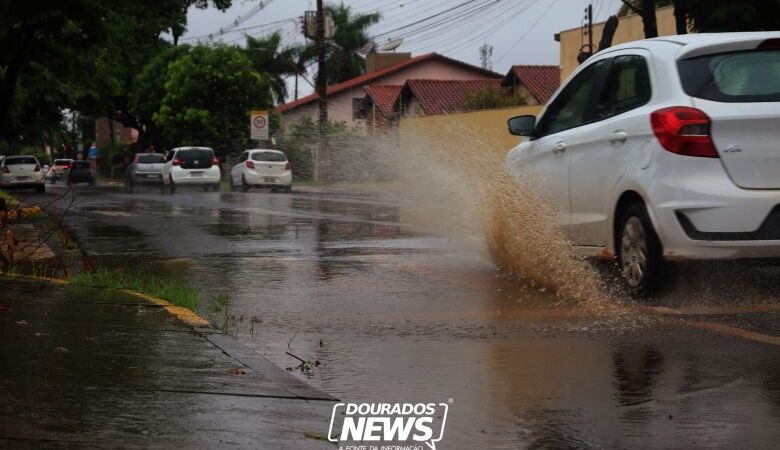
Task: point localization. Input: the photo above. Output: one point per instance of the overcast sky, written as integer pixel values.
(520, 31)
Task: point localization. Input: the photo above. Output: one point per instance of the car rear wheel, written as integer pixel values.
(639, 252)
(244, 184)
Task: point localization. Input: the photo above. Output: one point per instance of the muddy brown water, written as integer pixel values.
(395, 311)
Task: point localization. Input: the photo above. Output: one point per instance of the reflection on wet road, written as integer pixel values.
(395, 314)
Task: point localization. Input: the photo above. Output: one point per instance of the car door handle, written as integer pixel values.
(618, 136)
(560, 147)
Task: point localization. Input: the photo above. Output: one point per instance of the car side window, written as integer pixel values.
(627, 87)
(570, 108)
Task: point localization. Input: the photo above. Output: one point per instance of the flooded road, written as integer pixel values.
(390, 312)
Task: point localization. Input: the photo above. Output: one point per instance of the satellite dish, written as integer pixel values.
(368, 48)
(391, 45)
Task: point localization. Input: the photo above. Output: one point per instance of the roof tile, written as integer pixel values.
(542, 81)
(448, 96)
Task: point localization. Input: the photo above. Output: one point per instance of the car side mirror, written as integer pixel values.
(522, 125)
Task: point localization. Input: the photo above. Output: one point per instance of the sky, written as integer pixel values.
(520, 31)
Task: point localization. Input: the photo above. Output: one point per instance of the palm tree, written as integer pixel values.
(344, 59)
(278, 62)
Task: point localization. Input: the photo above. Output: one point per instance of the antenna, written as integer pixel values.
(391, 45)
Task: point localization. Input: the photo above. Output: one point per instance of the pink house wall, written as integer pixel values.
(340, 105)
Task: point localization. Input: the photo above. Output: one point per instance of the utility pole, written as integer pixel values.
(322, 92)
(590, 29)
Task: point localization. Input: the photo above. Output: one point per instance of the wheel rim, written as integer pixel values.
(633, 252)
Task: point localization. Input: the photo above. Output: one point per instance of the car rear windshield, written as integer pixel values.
(195, 154)
(150, 159)
(21, 160)
(80, 164)
(736, 77)
(269, 156)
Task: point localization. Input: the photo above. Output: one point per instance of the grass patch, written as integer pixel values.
(174, 291)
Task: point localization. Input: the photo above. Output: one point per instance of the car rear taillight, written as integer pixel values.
(288, 166)
(250, 164)
(176, 161)
(684, 131)
(5, 170)
(37, 168)
(214, 161)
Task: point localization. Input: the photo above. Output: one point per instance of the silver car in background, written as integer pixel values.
(21, 171)
(146, 168)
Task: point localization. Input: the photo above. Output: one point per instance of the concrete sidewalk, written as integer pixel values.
(90, 368)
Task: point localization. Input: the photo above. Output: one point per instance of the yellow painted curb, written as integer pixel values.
(185, 315)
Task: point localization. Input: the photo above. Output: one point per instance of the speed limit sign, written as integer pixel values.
(259, 125)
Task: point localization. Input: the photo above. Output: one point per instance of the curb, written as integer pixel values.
(184, 315)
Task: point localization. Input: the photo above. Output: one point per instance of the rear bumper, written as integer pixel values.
(256, 179)
(186, 177)
(704, 215)
(146, 178)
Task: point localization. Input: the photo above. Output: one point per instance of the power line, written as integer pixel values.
(539, 19)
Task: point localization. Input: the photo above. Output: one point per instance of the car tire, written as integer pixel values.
(288, 189)
(639, 252)
(172, 185)
(244, 184)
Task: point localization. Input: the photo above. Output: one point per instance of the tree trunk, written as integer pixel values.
(648, 19)
(681, 16)
(608, 33)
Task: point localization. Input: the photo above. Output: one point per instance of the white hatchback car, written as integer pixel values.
(191, 166)
(663, 149)
(262, 168)
(21, 171)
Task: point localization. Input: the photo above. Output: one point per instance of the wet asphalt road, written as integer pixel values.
(396, 314)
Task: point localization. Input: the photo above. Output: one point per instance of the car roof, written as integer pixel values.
(687, 44)
(19, 156)
(193, 148)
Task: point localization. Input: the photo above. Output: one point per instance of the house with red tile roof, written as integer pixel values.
(536, 84)
(348, 101)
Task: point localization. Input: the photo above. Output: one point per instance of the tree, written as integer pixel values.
(209, 92)
(344, 59)
(269, 56)
(724, 15)
(43, 48)
(149, 89)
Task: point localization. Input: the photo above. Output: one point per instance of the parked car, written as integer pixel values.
(146, 168)
(81, 172)
(59, 170)
(191, 166)
(21, 171)
(663, 149)
(262, 168)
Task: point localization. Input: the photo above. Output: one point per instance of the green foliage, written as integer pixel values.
(727, 15)
(344, 58)
(303, 136)
(269, 56)
(209, 92)
(38, 152)
(174, 291)
(491, 98)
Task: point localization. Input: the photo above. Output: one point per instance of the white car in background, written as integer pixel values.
(663, 149)
(262, 168)
(21, 171)
(191, 166)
